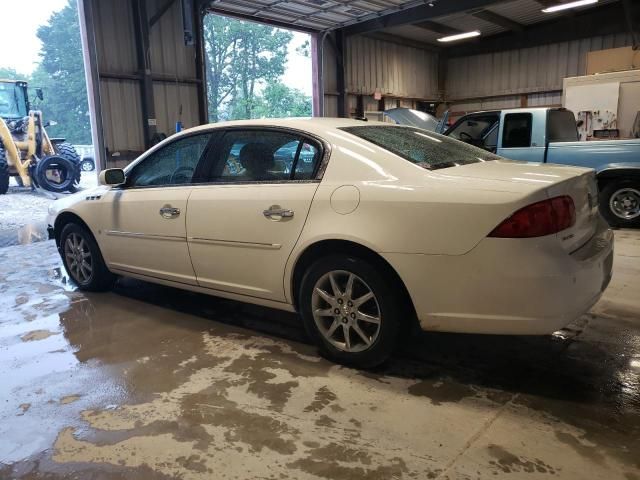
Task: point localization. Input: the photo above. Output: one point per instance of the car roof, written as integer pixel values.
(316, 125)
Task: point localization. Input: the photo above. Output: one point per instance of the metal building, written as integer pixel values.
(145, 62)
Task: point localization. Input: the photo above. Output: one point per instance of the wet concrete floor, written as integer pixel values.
(154, 383)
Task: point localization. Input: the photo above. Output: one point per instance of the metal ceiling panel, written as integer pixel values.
(529, 12)
(469, 23)
(314, 14)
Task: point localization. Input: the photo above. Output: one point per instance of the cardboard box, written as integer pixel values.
(612, 60)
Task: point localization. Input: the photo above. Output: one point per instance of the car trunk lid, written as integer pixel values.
(555, 180)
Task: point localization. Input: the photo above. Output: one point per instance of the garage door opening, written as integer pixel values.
(255, 70)
(42, 90)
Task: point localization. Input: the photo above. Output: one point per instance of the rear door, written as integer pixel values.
(243, 224)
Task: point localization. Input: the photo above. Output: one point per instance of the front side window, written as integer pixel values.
(424, 148)
(12, 100)
(517, 130)
(174, 164)
(264, 156)
(472, 129)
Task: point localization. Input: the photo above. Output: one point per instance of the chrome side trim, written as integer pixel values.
(231, 243)
(118, 233)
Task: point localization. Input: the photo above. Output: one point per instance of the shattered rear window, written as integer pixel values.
(427, 149)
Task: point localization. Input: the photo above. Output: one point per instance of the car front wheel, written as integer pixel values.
(82, 259)
(350, 310)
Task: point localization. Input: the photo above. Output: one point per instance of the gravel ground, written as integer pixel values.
(23, 212)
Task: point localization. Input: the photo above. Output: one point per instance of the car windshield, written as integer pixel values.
(12, 101)
(427, 149)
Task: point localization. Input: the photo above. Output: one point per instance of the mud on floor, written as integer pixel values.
(151, 382)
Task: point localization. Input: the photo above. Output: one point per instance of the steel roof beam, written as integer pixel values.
(437, 27)
(405, 42)
(604, 20)
(421, 13)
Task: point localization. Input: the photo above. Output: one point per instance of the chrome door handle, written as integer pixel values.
(276, 211)
(169, 212)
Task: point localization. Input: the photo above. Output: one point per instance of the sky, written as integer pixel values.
(298, 69)
(20, 19)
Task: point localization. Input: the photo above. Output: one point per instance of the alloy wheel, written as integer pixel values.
(78, 257)
(625, 203)
(346, 311)
(86, 166)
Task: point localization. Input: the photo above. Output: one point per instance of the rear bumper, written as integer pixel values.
(507, 286)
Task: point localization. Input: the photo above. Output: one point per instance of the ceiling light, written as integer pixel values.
(460, 36)
(565, 6)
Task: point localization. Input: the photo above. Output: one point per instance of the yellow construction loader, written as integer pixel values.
(26, 151)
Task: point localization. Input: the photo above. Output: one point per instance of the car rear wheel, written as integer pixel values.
(350, 310)
(620, 203)
(87, 165)
(82, 259)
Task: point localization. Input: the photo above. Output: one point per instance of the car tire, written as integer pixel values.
(327, 320)
(620, 203)
(87, 165)
(77, 242)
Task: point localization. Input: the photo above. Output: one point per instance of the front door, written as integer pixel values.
(145, 229)
(243, 225)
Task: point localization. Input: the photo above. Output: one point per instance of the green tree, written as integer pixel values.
(60, 74)
(221, 38)
(279, 101)
(8, 73)
(241, 56)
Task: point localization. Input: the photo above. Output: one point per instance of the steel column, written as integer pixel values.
(90, 56)
(141, 26)
(340, 73)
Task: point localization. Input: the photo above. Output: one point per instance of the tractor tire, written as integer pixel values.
(66, 150)
(4, 172)
(66, 170)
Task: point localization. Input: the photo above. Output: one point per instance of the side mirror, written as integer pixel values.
(39, 94)
(112, 176)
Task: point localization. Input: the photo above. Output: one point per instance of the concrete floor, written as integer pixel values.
(149, 382)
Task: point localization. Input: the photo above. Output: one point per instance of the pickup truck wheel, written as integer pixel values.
(620, 203)
(350, 310)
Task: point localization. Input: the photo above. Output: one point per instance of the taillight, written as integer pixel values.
(538, 219)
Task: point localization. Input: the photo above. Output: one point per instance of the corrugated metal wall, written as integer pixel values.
(170, 60)
(531, 70)
(397, 71)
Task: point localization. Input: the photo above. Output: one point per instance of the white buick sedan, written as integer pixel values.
(364, 228)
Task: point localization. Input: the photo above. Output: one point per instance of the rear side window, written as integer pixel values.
(561, 126)
(264, 156)
(517, 130)
(424, 148)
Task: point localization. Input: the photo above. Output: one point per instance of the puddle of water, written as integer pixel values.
(30, 233)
